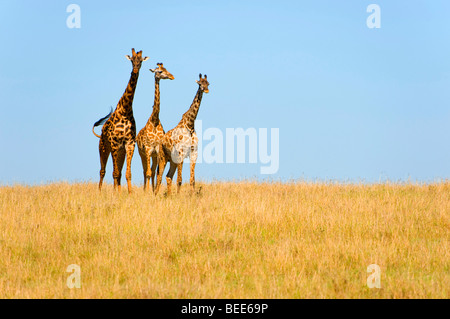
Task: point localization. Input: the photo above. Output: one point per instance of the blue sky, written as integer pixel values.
(351, 103)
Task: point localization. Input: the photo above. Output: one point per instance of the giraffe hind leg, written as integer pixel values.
(104, 155)
(192, 181)
(118, 160)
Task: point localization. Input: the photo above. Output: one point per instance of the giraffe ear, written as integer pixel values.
(152, 70)
(128, 57)
(146, 58)
(197, 82)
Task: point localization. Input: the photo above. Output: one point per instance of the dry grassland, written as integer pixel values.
(233, 240)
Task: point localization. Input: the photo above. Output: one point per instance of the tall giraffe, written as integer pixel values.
(149, 138)
(180, 142)
(119, 131)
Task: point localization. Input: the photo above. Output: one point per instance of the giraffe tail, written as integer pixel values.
(100, 122)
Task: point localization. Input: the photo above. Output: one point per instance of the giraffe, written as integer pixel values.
(150, 136)
(119, 131)
(180, 142)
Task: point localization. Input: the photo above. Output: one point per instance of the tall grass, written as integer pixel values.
(233, 240)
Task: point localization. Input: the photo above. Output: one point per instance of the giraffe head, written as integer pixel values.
(136, 59)
(161, 72)
(203, 83)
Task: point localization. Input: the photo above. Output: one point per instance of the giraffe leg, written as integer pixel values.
(129, 152)
(144, 164)
(154, 166)
(118, 156)
(193, 160)
(179, 176)
(169, 177)
(161, 166)
(104, 154)
(148, 174)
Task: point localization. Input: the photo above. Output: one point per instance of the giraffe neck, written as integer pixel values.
(154, 118)
(125, 105)
(191, 114)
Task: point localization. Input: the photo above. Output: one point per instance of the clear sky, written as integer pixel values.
(351, 103)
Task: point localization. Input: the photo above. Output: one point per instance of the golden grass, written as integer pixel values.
(234, 240)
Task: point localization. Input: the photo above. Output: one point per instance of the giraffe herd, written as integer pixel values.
(156, 148)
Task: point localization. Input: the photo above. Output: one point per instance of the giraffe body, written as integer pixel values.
(180, 142)
(150, 137)
(119, 131)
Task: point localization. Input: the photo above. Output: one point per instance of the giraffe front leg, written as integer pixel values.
(177, 159)
(144, 164)
(179, 176)
(192, 180)
(193, 160)
(169, 177)
(147, 171)
(130, 152)
(161, 166)
(154, 167)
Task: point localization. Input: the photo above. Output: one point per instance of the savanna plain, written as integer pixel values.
(228, 240)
